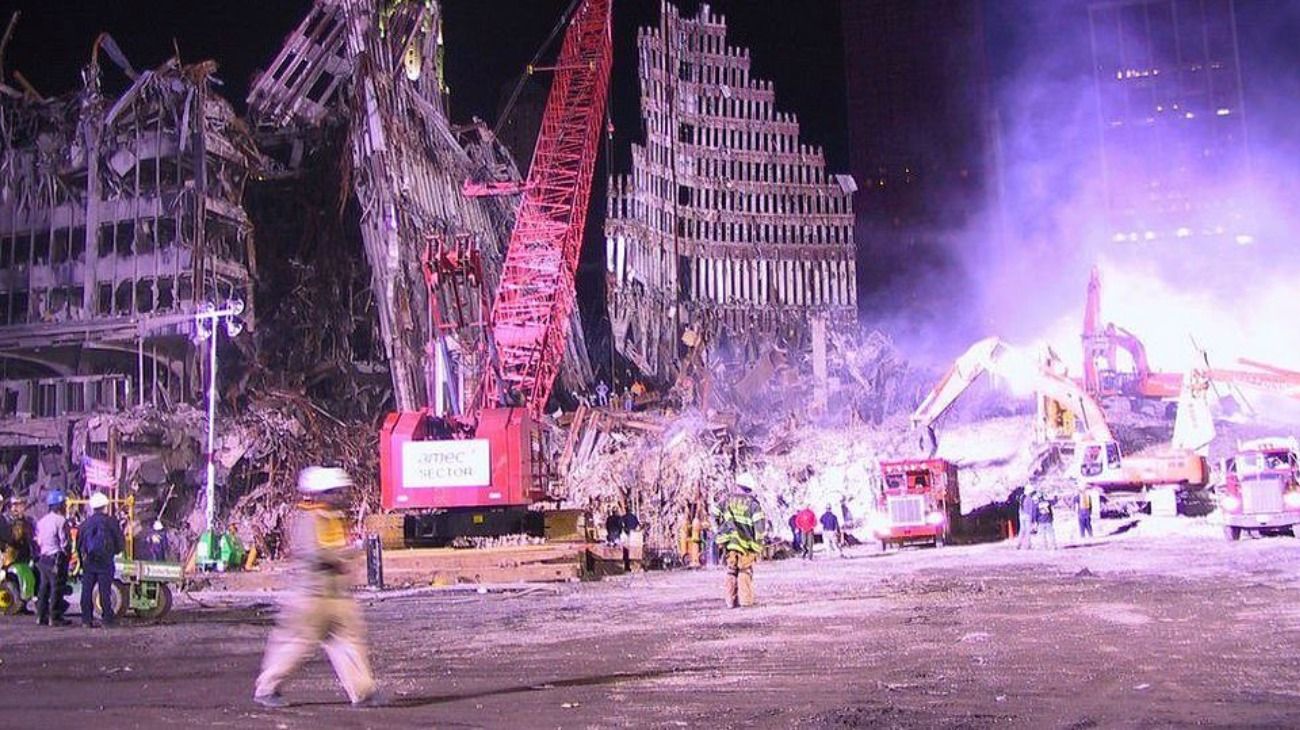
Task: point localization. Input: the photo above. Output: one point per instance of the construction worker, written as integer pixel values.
(1085, 513)
(99, 539)
(155, 543)
(1028, 516)
(52, 541)
(19, 532)
(1044, 520)
(806, 521)
(741, 531)
(831, 532)
(319, 609)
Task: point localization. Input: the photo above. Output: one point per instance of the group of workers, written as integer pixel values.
(48, 543)
(803, 529)
(1038, 516)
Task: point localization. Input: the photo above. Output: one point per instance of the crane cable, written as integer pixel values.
(528, 70)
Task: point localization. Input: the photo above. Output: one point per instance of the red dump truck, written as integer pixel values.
(919, 502)
(1261, 490)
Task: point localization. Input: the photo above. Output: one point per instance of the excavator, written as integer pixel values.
(1102, 376)
(475, 473)
(1070, 420)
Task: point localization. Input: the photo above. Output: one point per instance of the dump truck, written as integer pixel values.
(1261, 489)
(919, 503)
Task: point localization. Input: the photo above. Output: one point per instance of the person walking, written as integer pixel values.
(831, 532)
(319, 610)
(796, 543)
(53, 544)
(806, 521)
(99, 539)
(1044, 520)
(741, 530)
(1085, 513)
(1028, 515)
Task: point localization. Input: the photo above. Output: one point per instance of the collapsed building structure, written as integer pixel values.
(120, 215)
(123, 215)
(728, 226)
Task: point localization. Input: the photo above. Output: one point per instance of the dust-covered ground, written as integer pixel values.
(1158, 626)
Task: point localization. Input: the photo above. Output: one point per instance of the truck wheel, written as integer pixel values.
(162, 606)
(11, 601)
(120, 597)
(1232, 533)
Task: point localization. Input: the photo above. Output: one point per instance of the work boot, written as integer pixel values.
(273, 700)
(42, 622)
(374, 699)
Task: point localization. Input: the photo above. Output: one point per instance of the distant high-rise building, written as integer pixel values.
(728, 226)
(1172, 116)
(921, 134)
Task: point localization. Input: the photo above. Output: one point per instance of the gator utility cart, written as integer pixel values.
(143, 586)
(17, 587)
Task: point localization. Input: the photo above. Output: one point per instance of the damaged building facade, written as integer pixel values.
(120, 216)
(728, 226)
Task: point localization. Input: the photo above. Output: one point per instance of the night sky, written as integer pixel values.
(795, 44)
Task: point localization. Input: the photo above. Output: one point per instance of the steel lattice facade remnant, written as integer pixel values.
(727, 226)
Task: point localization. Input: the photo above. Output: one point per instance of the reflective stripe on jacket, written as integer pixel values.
(741, 524)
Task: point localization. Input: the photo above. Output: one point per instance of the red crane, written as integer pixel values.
(535, 296)
(478, 471)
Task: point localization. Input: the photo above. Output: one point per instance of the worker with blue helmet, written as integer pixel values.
(53, 542)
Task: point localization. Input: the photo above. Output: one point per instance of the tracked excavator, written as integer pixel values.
(1070, 422)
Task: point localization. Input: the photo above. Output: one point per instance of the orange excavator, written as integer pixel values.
(1102, 376)
(1098, 460)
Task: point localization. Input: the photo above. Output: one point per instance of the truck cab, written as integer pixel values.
(1261, 489)
(919, 502)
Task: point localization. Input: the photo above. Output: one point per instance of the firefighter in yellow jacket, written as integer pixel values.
(319, 609)
(741, 531)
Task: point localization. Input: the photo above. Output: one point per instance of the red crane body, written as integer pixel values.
(485, 458)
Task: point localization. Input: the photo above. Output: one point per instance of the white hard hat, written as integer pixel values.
(98, 500)
(316, 479)
(157, 525)
(746, 480)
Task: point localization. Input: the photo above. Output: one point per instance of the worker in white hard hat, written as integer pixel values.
(99, 540)
(319, 610)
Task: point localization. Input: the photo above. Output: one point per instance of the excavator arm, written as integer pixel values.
(995, 357)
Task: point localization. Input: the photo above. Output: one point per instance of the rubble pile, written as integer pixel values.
(258, 454)
(662, 463)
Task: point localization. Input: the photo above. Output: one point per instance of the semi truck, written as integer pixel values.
(1261, 488)
(919, 503)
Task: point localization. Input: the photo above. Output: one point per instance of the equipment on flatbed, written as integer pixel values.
(476, 472)
(142, 586)
(1261, 490)
(919, 502)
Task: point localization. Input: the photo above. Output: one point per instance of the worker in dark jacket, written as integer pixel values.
(99, 540)
(741, 529)
(831, 532)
